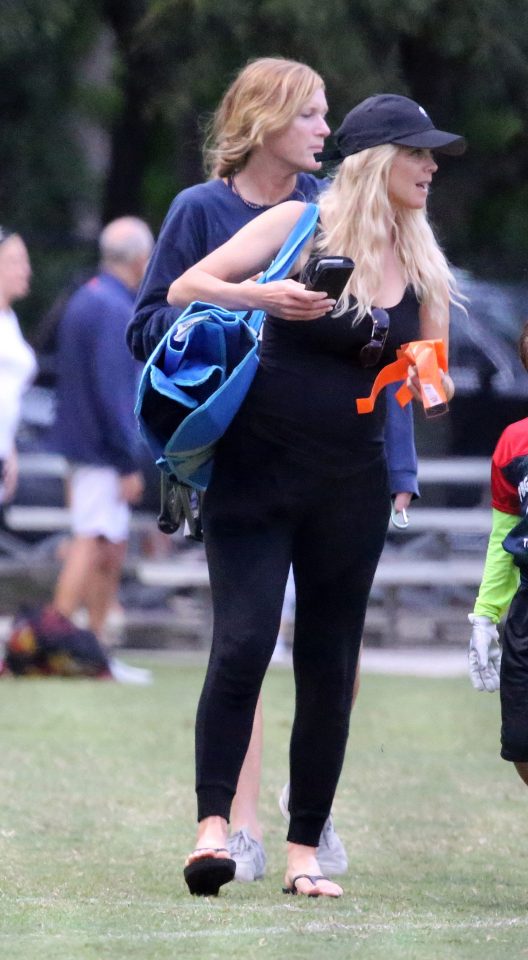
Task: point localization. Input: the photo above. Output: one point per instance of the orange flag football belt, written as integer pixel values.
(429, 357)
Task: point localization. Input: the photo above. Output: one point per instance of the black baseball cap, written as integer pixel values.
(389, 118)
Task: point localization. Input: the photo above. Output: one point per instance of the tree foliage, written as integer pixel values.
(140, 78)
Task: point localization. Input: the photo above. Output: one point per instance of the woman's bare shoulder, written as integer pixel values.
(271, 227)
(286, 213)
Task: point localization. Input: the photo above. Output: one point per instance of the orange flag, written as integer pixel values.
(429, 357)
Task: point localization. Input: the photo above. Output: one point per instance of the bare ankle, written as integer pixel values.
(212, 832)
(302, 857)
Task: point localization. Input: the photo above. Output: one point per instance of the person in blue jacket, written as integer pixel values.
(251, 171)
(95, 428)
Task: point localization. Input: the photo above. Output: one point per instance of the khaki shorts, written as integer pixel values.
(96, 505)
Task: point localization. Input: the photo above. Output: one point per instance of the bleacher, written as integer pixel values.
(440, 554)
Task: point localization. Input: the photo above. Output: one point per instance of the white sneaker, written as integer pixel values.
(248, 855)
(331, 854)
(282, 653)
(124, 673)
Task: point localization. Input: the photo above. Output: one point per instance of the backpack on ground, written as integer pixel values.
(44, 643)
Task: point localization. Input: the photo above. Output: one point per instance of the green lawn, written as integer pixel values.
(97, 815)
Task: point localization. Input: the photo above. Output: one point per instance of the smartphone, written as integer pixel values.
(330, 274)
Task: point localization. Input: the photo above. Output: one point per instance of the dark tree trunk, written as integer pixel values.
(130, 134)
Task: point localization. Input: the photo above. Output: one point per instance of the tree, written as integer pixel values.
(44, 179)
(468, 63)
(103, 106)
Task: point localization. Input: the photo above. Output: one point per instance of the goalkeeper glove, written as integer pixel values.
(484, 654)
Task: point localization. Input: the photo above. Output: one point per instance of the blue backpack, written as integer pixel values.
(198, 375)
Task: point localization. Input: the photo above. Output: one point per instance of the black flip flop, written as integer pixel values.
(205, 876)
(304, 876)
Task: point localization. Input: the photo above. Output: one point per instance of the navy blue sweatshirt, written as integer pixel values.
(97, 379)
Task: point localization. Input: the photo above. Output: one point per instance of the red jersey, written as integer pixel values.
(509, 470)
(509, 486)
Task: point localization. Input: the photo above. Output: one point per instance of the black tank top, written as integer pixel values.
(303, 396)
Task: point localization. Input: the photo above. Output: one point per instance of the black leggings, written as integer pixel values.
(262, 513)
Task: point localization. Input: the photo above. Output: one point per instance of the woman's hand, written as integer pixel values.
(448, 385)
(402, 500)
(287, 299)
(131, 486)
(413, 382)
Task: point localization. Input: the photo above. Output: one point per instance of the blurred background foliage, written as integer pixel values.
(103, 103)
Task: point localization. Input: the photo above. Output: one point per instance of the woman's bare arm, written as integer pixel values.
(434, 328)
(227, 275)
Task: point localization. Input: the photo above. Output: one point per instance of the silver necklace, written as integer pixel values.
(248, 203)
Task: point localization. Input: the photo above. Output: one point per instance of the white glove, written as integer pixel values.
(484, 654)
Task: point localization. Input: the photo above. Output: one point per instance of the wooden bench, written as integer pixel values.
(404, 564)
(450, 471)
(179, 572)
(387, 616)
(447, 520)
(450, 520)
(42, 465)
(27, 519)
(455, 471)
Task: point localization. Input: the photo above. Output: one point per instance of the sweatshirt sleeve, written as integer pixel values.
(180, 245)
(399, 445)
(501, 577)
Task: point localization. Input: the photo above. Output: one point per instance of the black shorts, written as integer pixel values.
(514, 680)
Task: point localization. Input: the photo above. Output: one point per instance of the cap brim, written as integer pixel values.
(333, 153)
(435, 140)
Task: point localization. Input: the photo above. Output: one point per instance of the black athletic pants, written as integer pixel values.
(262, 512)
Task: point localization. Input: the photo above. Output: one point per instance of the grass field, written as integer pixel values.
(97, 812)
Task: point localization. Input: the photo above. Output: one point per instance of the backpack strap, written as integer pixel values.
(281, 265)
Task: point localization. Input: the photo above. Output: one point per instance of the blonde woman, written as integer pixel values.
(260, 152)
(300, 478)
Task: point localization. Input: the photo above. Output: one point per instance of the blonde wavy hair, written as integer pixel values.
(264, 98)
(355, 216)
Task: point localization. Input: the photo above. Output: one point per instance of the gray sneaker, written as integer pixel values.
(331, 854)
(248, 855)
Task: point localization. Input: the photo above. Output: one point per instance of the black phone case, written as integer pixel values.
(331, 278)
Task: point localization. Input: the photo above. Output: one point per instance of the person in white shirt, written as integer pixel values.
(18, 364)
